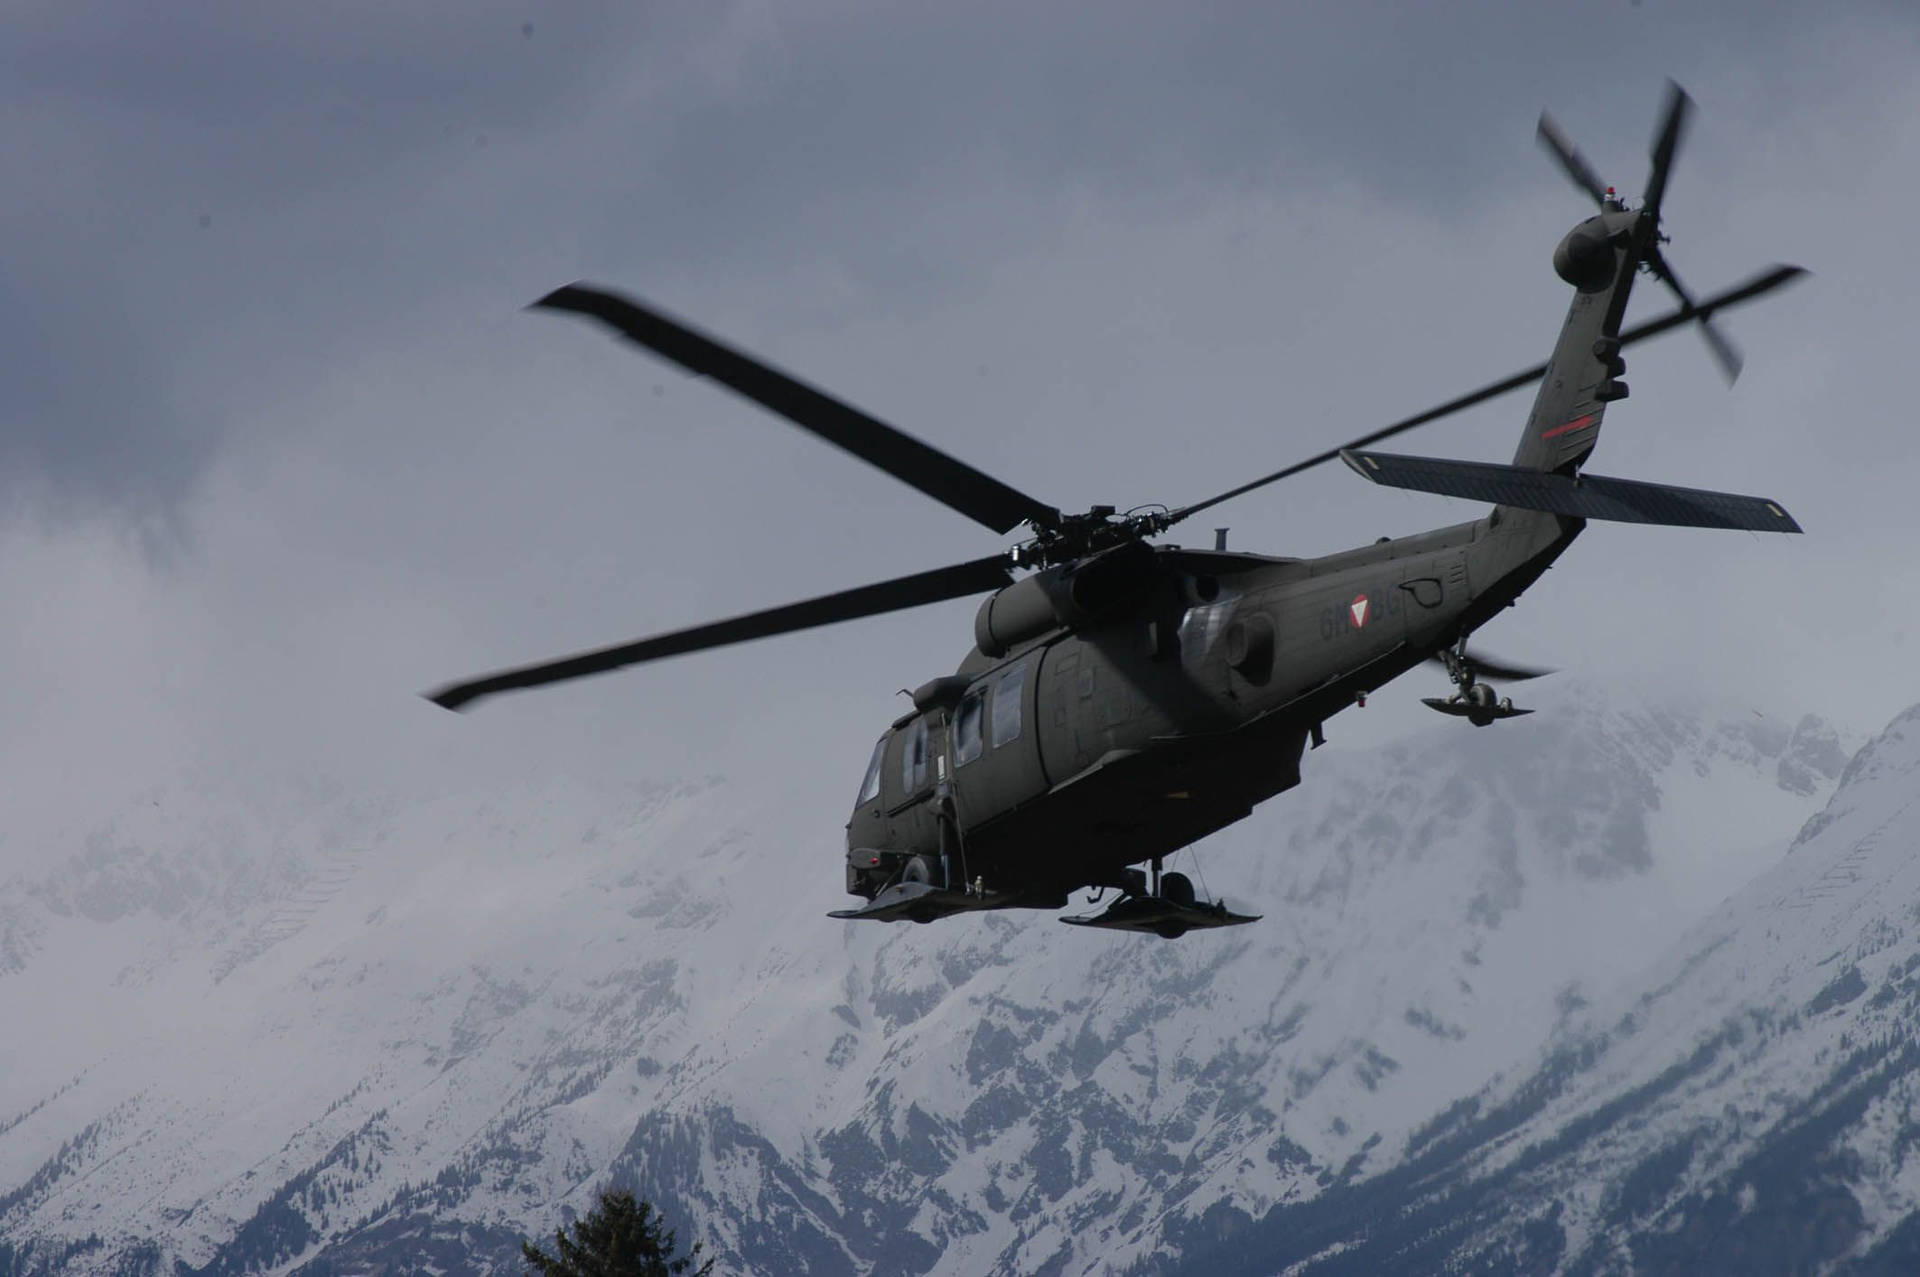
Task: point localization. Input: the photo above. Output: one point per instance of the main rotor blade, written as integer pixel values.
(1505, 671)
(936, 586)
(1673, 125)
(1724, 350)
(979, 496)
(1763, 283)
(1571, 160)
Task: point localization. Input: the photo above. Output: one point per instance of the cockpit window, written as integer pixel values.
(1008, 691)
(870, 787)
(967, 725)
(913, 757)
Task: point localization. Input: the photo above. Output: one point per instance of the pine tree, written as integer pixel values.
(621, 1237)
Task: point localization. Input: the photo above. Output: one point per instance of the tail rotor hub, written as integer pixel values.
(1577, 260)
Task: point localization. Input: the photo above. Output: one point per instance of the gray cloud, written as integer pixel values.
(1115, 255)
(203, 195)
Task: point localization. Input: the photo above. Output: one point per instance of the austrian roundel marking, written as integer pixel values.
(1358, 610)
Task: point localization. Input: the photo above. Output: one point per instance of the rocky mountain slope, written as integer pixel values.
(1748, 1107)
(312, 1031)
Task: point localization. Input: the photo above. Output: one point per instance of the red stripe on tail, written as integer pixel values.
(1570, 427)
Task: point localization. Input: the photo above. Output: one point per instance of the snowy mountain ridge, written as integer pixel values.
(322, 1031)
(1747, 1105)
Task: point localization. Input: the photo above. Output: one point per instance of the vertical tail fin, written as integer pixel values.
(1599, 258)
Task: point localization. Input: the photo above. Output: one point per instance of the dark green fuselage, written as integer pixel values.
(1150, 725)
(1140, 735)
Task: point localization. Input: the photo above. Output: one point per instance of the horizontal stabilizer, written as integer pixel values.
(1589, 496)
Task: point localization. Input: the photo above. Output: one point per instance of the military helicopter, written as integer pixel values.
(1125, 699)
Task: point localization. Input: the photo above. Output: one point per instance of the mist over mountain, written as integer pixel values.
(307, 1028)
(1746, 1105)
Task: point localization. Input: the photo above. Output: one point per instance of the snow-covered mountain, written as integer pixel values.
(302, 1029)
(1747, 1107)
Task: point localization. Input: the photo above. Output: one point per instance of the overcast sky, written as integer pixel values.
(281, 448)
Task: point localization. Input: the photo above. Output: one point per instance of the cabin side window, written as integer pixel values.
(913, 757)
(870, 787)
(969, 726)
(1008, 691)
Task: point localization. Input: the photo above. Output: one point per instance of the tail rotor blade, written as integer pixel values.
(1725, 353)
(1666, 142)
(1555, 140)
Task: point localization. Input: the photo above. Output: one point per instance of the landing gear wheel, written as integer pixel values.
(1176, 888)
(921, 869)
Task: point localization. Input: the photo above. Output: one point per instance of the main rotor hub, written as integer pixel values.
(1076, 536)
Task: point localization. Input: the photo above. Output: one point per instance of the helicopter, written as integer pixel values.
(1124, 699)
